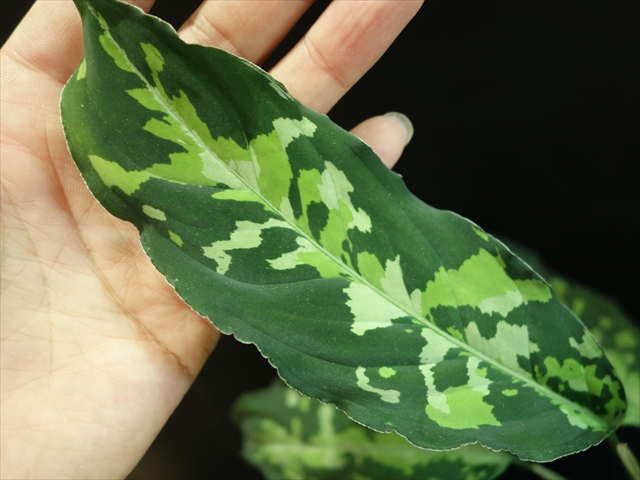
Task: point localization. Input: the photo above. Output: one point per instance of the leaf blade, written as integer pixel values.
(310, 230)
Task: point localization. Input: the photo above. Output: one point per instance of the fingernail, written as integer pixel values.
(405, 122)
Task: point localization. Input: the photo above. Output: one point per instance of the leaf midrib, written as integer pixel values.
(525, 379)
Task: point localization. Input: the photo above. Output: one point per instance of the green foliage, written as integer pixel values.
(288, 435)
(289, 233)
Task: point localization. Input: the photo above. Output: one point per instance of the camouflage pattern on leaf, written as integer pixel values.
(290, 233)
(617, 334)
(287, 435)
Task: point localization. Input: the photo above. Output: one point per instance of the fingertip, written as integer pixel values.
(387, 135)
(405, 123)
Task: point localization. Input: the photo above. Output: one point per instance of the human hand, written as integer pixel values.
(97, 349)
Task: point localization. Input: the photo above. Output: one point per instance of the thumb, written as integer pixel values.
(387, 135)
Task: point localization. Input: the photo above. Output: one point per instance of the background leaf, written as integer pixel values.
(308, 356)
(287, 435)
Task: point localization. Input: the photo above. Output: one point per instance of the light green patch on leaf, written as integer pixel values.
(154, 213)
(393, 283)
(370, 310)
(308, 254)
(274, 176)
(579, 418)
(480, 233)
(155, 61)
(370, 268)
(570, 372)
(594, 383)
(533, 290)
(308, 186)
(481, 282)
(113, 175)
(386, 372)
(455, 333)
(334, 190)
(587, 347)
(509, 392)
(246, 235)
(433, 353)
(439, 292)
(147, 98)
(386, 395)
(112, 48)
(467, 409)
(333, 235)
(154, 58)
(288, 129)
(82, 70)
(533, 347)
(390, 279)
(482, 279)
(509, 342)
(237, 195)
(175, 238)
(501, 304)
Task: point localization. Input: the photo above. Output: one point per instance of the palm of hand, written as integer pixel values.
(97, 349)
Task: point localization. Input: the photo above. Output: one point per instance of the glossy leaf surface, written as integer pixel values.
(289, 233)
(287, 435)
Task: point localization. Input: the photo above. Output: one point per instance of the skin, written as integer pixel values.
(97, 349)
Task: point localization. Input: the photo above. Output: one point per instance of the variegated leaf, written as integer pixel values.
(290, 233)
(287, 435)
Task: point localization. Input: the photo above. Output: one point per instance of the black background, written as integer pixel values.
(527, 122)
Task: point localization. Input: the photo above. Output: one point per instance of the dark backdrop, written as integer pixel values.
(526, 119)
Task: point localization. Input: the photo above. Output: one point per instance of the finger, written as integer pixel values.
(348, 38)
(49, 39)
(387, 135)
(247, 29)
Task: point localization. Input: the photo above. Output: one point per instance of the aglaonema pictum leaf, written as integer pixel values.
(289, 233)
(290, 436)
